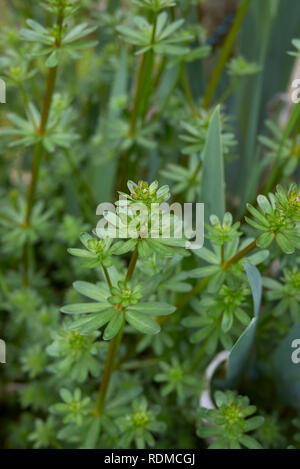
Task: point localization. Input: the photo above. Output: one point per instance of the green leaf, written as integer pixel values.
(96, 321)
(78, 32)
(114, 325)
(250, 442)
(142, 322)
(122, 247)
(153, 308)
(253, 423)
(284, 243)
(241, 352)
(227, 321)
(36, 26)
(81, 253)
(124, 398)
(91, 291)
(207, 255)
(83, 308)
(285, 370)
(53, 58)
(78, 323)
(251, 98)
(255, 281)
(213, 185)
(66, 395)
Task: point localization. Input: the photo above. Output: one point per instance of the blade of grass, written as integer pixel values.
(251, 101)
(213, 185)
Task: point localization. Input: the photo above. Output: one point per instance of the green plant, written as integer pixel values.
(229, 423)
(111, 335)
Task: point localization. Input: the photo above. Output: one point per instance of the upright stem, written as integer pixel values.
(188, 92)
(132, 265)
(113, 346)
(146, 60)
(38, 149)
(135, 108)
(107, 277)
(108, 369)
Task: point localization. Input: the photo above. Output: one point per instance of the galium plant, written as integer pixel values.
(229, 423)
(110, 334)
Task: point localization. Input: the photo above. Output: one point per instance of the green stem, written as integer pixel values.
(113, 346)
(225, 53)
(135, 108)
(144, 77)
(33, 183)
(187, 90)
(132, 265)
(240, 255)
(140, 104)
(108, 370)
(37, 156)
(108, 280)
(38, 149)
(222, 254)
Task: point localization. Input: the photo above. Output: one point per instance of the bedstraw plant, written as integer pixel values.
(111, 339)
